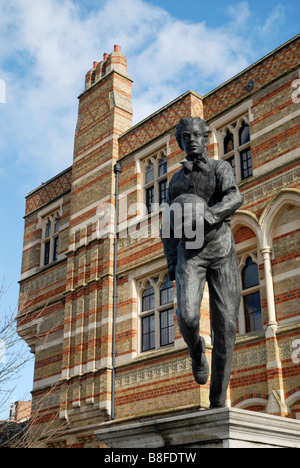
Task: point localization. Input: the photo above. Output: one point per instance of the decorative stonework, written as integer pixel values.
(154, 373)
(49, 191)
(249, 358)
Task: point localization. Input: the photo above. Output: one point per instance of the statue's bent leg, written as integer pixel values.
(224, 291)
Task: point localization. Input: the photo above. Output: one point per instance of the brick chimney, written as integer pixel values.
(116, 61)
(104, 113)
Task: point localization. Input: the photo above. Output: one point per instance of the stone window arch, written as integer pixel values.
(235, 147)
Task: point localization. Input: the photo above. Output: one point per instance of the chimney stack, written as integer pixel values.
(115, 61)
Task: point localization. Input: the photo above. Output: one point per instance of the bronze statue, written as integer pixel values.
(210, 184)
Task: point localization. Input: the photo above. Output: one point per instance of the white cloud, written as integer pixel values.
(239, 13)
(274, 20)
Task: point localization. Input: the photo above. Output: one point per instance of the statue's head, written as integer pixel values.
(192, 135)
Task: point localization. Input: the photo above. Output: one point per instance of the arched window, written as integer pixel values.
(48, 230)
(228, 142)
(162, 166)
(157, 314)
(55, 239)
(251, 296)
(244, 134)
(149, 173)
(155, 168)
(162, 181)
(235, 147)
(56, 225)
(166, 291)
(245, 152)
(50, 239)
(148, 298)
(228, 148)
(250, 274)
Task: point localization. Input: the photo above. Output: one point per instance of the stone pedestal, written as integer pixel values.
(221, 428)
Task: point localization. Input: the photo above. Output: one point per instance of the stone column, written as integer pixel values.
(276, 404)
(266, 253)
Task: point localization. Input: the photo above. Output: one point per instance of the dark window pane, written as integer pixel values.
(148, 298)
(250, 276)
(47, 253)
(148, 333)
(246, 164)
(167, 327)
(48, 230)
(228, 142)
(232, 163)
(244, 134)
(163, 187)
(149, 173)
(253, 314)
(162, 167)
(166, 291)
(56, 226)
(149, 199)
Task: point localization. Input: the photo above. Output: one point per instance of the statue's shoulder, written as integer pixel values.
(220, 165)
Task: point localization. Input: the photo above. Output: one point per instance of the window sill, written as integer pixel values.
(156, 353)
(251, 336)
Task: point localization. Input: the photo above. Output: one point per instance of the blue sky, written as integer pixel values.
(47, 46)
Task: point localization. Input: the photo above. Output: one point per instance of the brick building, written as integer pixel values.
(67, 281)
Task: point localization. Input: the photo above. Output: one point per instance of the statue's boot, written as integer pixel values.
(199, 363)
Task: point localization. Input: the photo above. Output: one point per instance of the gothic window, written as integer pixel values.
(166, 291)
(50, 239)
(155, 181)
(244, 134)
(157, 314)
(228, 142)
(162, 167)
(235, 148)
(148, 298)
(245, 152)
(150, 173)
